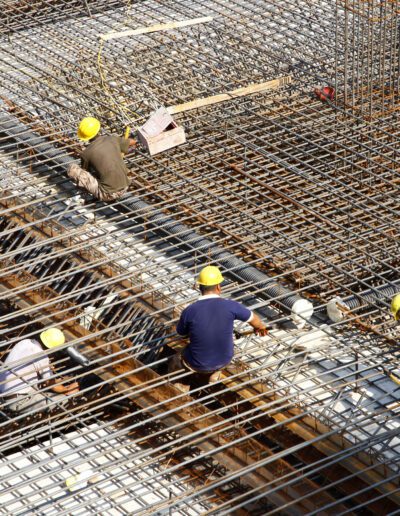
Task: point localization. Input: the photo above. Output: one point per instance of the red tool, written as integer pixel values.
(326, 93)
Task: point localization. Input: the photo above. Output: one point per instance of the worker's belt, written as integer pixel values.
(198, 371)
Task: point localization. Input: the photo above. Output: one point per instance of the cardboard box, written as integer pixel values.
(160, 132)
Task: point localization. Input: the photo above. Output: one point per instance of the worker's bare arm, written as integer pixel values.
(131, 145)
(178, 341)
(258, 325)
(60, 388)
(181, 342)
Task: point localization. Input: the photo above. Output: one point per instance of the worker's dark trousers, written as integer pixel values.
(85, 180)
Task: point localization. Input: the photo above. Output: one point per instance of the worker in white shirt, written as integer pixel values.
(26, 370)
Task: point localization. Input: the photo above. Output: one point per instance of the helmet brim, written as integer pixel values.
(211, 284)
(82, 137)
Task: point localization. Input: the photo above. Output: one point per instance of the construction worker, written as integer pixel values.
(208, 323)
(20, 383)
(103, 172)
(395, 307)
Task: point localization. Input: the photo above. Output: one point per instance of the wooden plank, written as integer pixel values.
(239, 92)
(155, 28)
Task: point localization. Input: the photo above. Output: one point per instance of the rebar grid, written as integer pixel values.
(369, 73)
(35, 247)
(303, 191)
(312, 143)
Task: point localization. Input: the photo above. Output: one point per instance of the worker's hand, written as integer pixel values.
(73, 388)
(241, 334)
(262, 331)
(132, 143)
(181, 343)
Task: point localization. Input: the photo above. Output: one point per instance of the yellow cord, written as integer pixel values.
(127, 114)
(394, 378)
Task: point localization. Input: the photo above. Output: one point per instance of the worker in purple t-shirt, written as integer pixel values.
(209, 325)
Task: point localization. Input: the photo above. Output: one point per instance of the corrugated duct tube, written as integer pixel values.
(300, 308)
(363, 299)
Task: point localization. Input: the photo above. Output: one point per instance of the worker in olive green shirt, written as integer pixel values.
(103, 172)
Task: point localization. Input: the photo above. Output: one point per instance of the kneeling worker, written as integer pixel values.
(103, 172)
(209, 325)
(19, 385)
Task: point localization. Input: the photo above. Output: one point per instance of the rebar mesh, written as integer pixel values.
(305, 420)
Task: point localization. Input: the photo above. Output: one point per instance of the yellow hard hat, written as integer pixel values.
(210, 276)
(395, 307)
(88, 128)
(52, 337)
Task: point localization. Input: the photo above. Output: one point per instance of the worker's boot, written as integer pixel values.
(215, 377)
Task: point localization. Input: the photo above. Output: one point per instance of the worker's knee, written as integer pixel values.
(27, 404)
(84, 179)
(108, 197)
